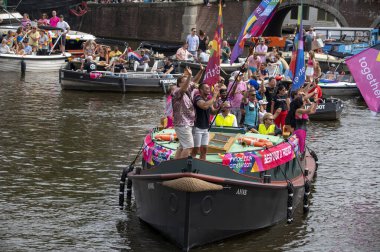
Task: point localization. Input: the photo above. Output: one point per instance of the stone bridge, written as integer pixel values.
(172, 21)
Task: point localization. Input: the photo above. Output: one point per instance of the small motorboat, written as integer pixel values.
(32, 63)
(115, 82)
(343, 85)
(328, 109)
(247, 182)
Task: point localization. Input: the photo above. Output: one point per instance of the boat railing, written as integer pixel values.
(137, 75)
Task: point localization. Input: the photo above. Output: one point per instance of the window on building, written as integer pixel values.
(325, 16)
(305, 13)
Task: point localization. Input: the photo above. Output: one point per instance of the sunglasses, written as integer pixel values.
(270, 119)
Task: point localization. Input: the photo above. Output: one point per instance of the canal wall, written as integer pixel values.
(172, 21)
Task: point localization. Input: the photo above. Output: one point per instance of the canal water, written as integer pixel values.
(61, 155)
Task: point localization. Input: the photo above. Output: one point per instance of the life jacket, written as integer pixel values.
(227, 121)
(263, 130)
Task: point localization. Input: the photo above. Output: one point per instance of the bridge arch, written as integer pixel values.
(274, 28)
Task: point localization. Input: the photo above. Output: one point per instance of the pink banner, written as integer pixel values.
(365, 68)
(276, 155)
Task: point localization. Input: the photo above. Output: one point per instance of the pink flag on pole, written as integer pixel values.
(365, 67)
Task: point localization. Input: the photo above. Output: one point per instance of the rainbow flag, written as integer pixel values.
(212, 72)
(297, 63)
(134, 55)
(255, 25)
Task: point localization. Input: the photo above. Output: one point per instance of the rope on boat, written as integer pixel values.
(289, 212)
(124, 177)
(191, 185)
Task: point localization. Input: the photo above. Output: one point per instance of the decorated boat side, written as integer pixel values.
(186, 199)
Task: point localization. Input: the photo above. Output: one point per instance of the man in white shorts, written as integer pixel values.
(183, 114)
(203, 107)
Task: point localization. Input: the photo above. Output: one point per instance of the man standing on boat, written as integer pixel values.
(193, 42)
(203, 106)
(65, 29)
(261, 50)
(184, 114)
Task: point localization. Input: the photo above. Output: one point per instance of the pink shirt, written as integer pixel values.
(238, 97)
(54, 21)
(262, 48)
(182, 54)
(252, 62)
(183, 108)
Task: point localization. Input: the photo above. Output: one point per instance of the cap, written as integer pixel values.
(263, 102)
(278, 77)
(332, 65)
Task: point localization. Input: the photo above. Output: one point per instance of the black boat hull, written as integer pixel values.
(329, 110)
(72, 80)
(192, 219)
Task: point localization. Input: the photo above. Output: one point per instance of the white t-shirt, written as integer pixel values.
(63, 25)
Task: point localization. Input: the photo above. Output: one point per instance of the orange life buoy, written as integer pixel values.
(257, 142)
(166, 137)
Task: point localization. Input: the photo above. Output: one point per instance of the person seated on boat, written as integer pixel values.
(43, 43)
(183, 54)
(102, 55)
(203, 56)
(10, 38)
(89, 48)
(143, 62)
(168, 69)
(25, 20)
(88, 65)
(225, 118)
(4, 48)
(267, 127)
(263, 73)
(271, 56)
(203, 108)
(26, 48)
(315, 88)
(43, 21)
(253, 63)
(115, 52)
(331, 74)
(34, 37)
(225, 52)
(251, 108)
(117, 65)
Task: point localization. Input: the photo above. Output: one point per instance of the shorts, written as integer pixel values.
(201, 137)
(185, 136)
(253, 69)
(62, 40)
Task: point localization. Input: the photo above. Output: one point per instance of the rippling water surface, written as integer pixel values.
(61, 154)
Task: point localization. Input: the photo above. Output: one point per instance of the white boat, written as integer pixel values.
(342, 86)
(32, 63)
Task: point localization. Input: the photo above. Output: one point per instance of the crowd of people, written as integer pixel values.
(259, 104)
(30, 39)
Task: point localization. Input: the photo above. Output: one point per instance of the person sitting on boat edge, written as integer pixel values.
(203, 56)
(117, 65)
(142, 62)
(183, 54)
(4, 48)
(34, 37)
(88, 65)
(27, 49)
(225, 52)
(267, 127)
(203, 108)
(168, 69)
(43, 43)
(225, 118)
(184, 114)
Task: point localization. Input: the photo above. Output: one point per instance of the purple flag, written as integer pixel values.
(365, 67)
